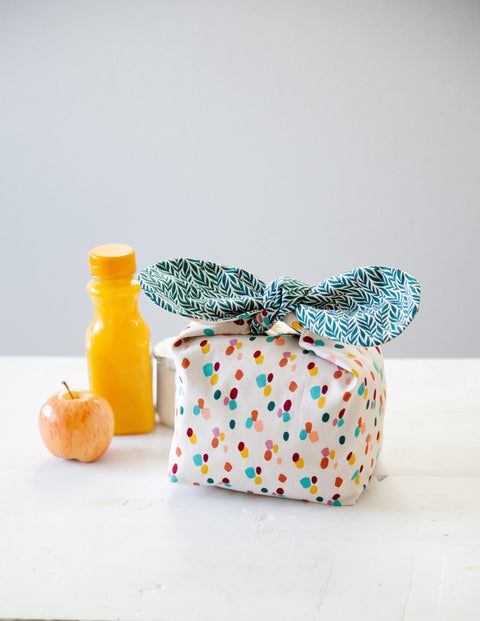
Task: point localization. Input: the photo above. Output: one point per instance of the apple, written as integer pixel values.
(76, 424)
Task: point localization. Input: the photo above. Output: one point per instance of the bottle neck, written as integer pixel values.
(114, 297)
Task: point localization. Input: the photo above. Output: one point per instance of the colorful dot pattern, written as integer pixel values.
(287, 415)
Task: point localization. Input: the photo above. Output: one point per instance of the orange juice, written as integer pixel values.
(118, 340)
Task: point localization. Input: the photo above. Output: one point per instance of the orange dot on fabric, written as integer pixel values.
(227, 466)
(293, 386)
(347, 395)
(268, 455)
(308, 427)
(201, 403)
(338, 481)
(282, 478)
(324, 463)
(185, 363)
(337, 374)
(178, 451)
(229, 351)
(238, 374)
(283, 362)
(215, 442)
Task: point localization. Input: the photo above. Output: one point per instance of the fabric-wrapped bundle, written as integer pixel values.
(280, 386)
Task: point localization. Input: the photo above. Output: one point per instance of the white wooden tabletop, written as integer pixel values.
(115, 540)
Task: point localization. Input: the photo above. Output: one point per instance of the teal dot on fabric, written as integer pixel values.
(336, 503)
(210, 480)
(232, 405)
(196, 410)
(355, 474)
(270, 339)
(261, 380)
(232, 424)
(271, 406)
(357, 432)
(305, 482)
(250, 472)
(341, 439)
(361, 388)
(320, 343)
(208, 369)
(340, 422)
(208, 331)
(182, 409)
(319, 499)
(286, 435)
(286, 417)
(217, 394)
(264, 490)
(338, 346)
(249, 423)
(303, 434)
(315, 392)
(325, 417)
(252, 338)
(197, 459)
(173, 478)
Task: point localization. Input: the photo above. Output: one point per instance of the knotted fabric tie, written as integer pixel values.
(367, 306)
(282, 296)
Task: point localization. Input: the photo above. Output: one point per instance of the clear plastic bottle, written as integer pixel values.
(118, 340)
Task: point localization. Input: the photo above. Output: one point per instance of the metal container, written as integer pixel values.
(165, 382)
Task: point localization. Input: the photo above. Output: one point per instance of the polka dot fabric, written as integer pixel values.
(288, 414)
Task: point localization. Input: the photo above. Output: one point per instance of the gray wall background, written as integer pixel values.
(289, 137)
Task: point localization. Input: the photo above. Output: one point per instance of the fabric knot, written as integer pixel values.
(282, 296)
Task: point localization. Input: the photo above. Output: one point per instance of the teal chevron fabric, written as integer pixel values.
(366, 307)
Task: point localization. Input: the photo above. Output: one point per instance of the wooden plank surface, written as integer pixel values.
(115, 540)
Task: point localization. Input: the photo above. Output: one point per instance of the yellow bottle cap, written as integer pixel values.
(112, 260)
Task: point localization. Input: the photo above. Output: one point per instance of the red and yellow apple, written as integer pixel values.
(76, 424)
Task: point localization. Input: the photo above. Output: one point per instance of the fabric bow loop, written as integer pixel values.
(367, 306)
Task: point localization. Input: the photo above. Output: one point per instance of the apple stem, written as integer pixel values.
(67, 387)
